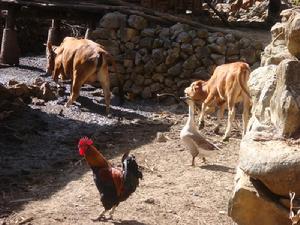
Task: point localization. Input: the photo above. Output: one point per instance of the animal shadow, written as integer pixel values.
(127, 222)
(221, 168)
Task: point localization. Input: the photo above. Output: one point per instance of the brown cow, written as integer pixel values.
(82, 61)
(226, 87)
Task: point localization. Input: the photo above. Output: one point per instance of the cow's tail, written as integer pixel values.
(112, 61)
(243, 77)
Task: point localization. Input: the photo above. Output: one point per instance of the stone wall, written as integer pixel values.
(155, 59)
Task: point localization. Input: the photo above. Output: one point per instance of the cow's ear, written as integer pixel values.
(197, 87)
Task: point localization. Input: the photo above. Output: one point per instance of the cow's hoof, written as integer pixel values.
(201, 125)
(67, 105)
(225, 138)
(216, 130)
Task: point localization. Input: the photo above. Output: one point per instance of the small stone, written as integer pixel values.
(160, 137)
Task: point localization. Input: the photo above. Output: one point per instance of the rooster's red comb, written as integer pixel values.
(85, 141)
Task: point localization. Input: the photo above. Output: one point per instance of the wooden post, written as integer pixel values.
(10, 51)
(54, 34)
(89, 30)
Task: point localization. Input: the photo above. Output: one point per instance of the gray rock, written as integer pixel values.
(169, 82)
(149, 67)
(157, 43)
(148, 32)
(183, 37)
(158, 56)
(128, 63)
(128, 34)
(232, 49)
(139, 69)
(293, 35)
(285, 103)
(248, 55)
(186, 73)
(161, 68)
(104, 33)
(129, 45)
(219, 49)
(244, 42)
(173, 55)
(202, 52)
(198, 42)
(262, 82)
(233, 58)
(192, 33)
(187, 48)
(202, 34)
(175, 70)
(127, 85)
(177, 28)
(113, 20)
(155, 87)
(147, 82)
(146, 93)
(112, 46)
(164, 33)
(201, 74)
(138, 59)
(139, 80)
(249, 206)
(137, 22)
(46, 93)
(146, 42)
(218, 59)
(221, 41)
(136, 89)
(158, 77)
(230, 38)
(191, 63)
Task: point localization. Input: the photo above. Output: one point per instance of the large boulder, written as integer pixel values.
(113, 20)
(293, 34)
(274, 162)
(249, 206)
(285, 103)
(262, 83)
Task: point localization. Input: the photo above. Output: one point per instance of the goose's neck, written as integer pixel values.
(191, 119)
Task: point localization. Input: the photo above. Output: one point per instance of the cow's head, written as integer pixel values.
(50, 58)
(195, 91)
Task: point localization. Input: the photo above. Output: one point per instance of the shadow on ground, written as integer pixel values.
(38, 151)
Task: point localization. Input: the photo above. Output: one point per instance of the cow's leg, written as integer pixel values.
(231, 115)
(219, 117)
(206, 102)
(103, 77)
(75, 89)
(201, 117)
(246, 110)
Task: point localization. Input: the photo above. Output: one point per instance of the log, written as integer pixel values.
(124, 7)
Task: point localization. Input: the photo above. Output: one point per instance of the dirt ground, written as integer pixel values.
(44, 180)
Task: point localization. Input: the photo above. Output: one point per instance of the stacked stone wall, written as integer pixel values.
(154, 59)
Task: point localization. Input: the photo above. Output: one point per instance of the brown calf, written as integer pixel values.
(82, 61)
(226, 87)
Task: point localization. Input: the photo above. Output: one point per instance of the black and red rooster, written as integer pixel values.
(115, 185)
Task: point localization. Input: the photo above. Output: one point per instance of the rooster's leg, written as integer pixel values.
(100, 216)
(112, 211)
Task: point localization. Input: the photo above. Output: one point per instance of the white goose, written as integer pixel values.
(192, 139)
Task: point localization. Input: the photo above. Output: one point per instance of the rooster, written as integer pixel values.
(192, 139)
(114, 185)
